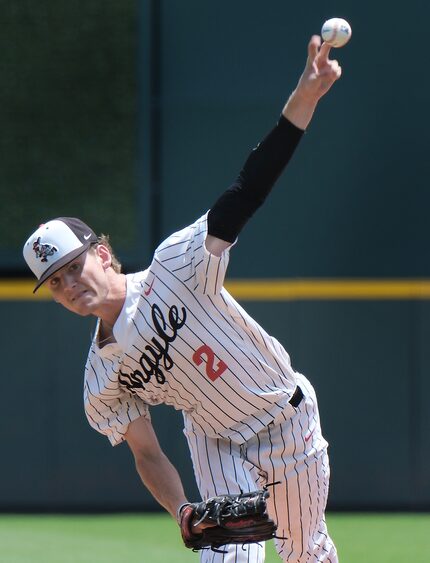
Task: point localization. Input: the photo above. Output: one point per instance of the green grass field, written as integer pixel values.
(154, 538)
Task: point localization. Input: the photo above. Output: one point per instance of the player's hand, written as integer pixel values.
(320, 72)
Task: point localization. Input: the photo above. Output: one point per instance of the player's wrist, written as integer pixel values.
(300, 108)
(179, 511)
(303, 98)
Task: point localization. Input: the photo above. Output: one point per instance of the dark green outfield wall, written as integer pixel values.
(152, 108)
(367, 360)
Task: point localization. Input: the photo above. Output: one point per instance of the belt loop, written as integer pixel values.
(243, 450)
(296, 398)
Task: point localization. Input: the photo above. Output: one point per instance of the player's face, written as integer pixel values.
(82, 285)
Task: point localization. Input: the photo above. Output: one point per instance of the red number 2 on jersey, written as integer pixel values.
(211, 372)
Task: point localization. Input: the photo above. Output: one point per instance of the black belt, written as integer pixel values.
(296, 398)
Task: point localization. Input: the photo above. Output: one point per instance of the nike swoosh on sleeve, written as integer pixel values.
(148, 291)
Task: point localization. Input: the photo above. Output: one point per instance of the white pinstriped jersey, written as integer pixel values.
(182, 340)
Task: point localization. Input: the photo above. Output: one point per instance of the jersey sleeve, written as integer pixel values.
(184, 255)
(111, 414)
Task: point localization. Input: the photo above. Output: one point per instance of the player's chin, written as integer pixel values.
(81, 311)
(84, 306)
(77, 309)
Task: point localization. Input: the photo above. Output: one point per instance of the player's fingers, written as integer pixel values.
(332, 70)
(335, 68)
(313, 47)
(324, 51)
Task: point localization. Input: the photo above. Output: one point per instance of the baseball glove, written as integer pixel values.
(236, 519)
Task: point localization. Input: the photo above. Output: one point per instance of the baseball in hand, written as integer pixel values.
(336, 32)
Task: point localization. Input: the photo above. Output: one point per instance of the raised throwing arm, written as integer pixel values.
(267, 161)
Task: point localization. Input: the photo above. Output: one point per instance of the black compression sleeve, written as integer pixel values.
(263, 167)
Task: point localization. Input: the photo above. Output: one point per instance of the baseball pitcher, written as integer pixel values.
(172, 334)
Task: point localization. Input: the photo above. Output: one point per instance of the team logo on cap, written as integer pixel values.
(43, 250)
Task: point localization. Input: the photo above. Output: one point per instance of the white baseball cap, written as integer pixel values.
(56, 243)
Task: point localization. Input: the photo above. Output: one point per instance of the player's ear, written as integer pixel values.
(104, 256)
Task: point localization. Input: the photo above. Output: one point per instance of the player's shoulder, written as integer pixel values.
(180, 240)
(137, 278)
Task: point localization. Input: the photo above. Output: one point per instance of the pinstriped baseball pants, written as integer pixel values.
(292, 451)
